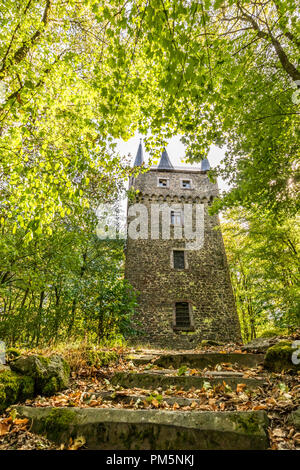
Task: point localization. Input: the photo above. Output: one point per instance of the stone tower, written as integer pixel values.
(184, 294)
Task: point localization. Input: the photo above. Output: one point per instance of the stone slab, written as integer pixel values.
(208, 373)
(222, 373)
(141, 359)
(122, 398)
(152, 380)
(203, 360)
(260, 345)
(109, 429)
(294, 419)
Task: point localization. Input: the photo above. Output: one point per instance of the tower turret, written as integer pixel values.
(139, 159)
(205, 166)
(165, 162)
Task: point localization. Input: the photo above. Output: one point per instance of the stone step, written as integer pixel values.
(151, 380)
(141, 359)
(201, 361)
(110, 429)
(120, 397)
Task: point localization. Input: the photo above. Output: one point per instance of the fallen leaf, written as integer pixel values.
(78, 442)
(240, 388)
(278, 432)
(259, 407)
(4, 428)
(155, 403)
(18, 421)
(296, 438)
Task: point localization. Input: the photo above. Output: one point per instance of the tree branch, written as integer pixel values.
(286, 64)
(22, 51)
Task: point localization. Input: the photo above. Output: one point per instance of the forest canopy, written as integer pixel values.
(77, 75)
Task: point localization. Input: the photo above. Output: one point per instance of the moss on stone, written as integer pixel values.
(279, 357)
(11, 387)
(100, 358)
(2, 397)
(58, 422)
(26, 388)
(122, 429)
(246, 424)
(271, 333)
(11, 354)
(50, 374)
(268, 334)
(210, 342)
(14, 387)
(51, 387)
(44, 360)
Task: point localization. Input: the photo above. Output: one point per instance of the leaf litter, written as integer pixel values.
(278, 395)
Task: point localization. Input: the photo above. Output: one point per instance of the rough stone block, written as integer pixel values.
(151, 429)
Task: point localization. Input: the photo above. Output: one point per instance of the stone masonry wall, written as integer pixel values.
(205, 281)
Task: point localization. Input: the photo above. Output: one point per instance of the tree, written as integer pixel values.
(77, 75)
(67, 285)
(60, 109)
(264, 267)
(227, 75)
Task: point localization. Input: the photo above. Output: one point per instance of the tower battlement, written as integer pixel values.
(150, 183)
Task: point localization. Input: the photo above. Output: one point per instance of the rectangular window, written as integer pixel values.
(178, 259)
(176, 218)
(182, 315)
(163, 182)
(186, 184)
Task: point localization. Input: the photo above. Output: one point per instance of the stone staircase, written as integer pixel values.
(160, 429)
(197, 360)
(164, 380)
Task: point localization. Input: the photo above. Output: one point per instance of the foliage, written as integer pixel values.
(264, 268)
(182, 370)
(59, 101)
(75, 76)
(279, 357)
(62, 286)
(271, 333)
(14, 387)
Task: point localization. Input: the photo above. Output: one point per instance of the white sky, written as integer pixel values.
(176, 152)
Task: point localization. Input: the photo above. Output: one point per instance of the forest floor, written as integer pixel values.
(279, 395)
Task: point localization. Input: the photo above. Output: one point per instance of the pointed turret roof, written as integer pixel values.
(139, 159)
(165, 162)
(205, 166)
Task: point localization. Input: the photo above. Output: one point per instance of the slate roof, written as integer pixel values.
(205, 166)
(165, 162)
(139, 159)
